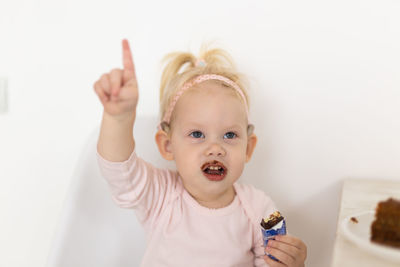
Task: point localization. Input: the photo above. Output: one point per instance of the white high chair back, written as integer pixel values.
(93, 230)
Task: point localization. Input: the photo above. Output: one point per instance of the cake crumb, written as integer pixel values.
(354, 220)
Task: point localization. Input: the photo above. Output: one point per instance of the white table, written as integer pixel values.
(358, 196)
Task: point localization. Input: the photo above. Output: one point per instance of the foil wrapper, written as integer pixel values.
(279, 229)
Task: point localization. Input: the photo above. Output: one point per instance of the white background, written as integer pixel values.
(325, 99)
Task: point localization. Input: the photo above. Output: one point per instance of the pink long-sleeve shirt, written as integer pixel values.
(181, 232)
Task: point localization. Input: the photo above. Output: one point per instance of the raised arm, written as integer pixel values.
(118, 93)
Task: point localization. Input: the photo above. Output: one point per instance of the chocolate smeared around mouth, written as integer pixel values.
(214, 168)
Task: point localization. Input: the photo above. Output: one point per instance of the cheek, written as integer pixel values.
(176, 145)
(182, 149)
(185, 156)
(239, 149)
(238, 155)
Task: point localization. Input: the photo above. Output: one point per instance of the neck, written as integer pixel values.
(217, 202)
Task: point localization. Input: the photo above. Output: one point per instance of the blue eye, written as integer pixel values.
(196, 134)
(230, 135)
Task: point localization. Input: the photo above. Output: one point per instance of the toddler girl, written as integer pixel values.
(197, 215)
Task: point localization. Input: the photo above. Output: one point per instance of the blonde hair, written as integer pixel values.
(181, 67)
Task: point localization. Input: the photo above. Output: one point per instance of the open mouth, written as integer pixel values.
(214, 170)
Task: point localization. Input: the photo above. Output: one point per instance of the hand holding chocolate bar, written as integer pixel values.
(272, 226)
(281, 249)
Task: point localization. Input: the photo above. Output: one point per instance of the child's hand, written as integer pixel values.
(118, 90)
(290, 251)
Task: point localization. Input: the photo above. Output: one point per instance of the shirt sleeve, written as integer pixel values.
(136, 184)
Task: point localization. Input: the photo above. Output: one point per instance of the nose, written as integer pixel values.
(215, 149)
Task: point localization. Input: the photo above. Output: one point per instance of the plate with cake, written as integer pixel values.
(377, 231)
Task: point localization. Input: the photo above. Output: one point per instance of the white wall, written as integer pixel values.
(325, 98)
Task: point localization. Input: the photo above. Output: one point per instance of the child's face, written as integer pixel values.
(209, 140)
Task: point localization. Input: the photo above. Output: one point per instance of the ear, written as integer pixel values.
(164, 145)
(251, 145)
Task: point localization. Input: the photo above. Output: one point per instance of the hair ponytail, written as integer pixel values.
(175, 62)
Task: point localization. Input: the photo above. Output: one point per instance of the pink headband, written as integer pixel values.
(197, 80)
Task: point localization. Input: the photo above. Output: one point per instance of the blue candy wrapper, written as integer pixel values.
(271, 233)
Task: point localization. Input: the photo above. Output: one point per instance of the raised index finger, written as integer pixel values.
(129, 68)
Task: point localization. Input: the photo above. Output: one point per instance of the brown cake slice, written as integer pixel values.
(385, 229)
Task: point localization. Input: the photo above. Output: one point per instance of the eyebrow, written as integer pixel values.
(196, 125)
(235, 126)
